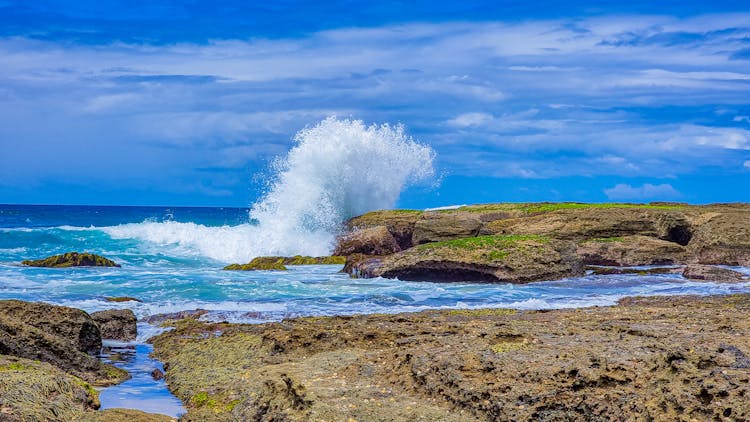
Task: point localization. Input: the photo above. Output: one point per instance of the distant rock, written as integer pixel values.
(500, 259)
(119, 299)
(712, 273)
(370, 241)
(64, 337)
(72, 259)
(279, 263)
(116, 324)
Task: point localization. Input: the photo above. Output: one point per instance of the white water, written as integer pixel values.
(337, 169)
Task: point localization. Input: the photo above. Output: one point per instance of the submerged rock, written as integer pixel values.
(667, 358)
(279, 263)
(712, 273)
(502, 259)
(631, 251)
(72, 259)
(65, 337)
(274, 263)
(116, 324)
(119, 299)
(370, 241)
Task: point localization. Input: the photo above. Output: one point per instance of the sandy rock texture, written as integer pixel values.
(662, 359)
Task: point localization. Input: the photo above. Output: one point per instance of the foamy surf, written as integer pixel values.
(337, 169)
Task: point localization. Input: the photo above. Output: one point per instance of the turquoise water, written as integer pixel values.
(172, 258)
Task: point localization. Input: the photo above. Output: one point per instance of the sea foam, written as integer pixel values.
(337, 169)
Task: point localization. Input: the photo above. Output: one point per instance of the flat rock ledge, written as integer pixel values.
(658, 358)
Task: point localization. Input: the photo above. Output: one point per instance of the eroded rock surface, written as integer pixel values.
(712, 273)
(64, 337)
(116, 324)
(668, 358)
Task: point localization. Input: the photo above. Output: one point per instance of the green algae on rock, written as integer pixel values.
(72, 259)
(64, 337)
(504, 259)
(658, 358)
(279, 263)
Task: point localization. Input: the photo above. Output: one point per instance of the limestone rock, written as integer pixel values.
(72, 259)
(631, 251)
(437, 227)
(370, 241)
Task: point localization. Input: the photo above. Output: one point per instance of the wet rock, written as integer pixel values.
(159, 319)
(314, 260)
(597, 270)
(125, 415)
(712, 273)
(370, 241)
(116, 324)
(437, 227)
(64, 337)
(157, 374)
(72, 259)
(502, 259)
(264, 263)
(631, 251)
(362, 266)
(119, 299)
(667, 358)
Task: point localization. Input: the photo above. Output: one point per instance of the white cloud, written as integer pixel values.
(741, 119)
(746, 164)
(470, 119)
(627, 192)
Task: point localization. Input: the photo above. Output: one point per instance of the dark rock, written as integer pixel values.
(72, 259)
(158, 319)
(157, 374)
(362, 266)
(639, 271)
(712, 273)
(370, 241)
(116, 324)
(64, 337)
(437, 227)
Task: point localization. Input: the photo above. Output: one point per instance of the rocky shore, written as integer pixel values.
(659, 358)
(520, 243)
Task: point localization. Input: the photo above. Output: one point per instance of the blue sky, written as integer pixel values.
(182, 103)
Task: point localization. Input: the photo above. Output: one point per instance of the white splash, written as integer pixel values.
(338, 168)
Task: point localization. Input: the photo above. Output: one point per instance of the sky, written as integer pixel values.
(186, 103)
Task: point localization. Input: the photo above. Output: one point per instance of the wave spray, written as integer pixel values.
(337, 169)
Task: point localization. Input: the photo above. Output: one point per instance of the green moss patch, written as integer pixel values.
(72, 259)
(508, 346)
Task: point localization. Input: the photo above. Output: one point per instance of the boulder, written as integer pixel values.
(370, 241)
(64, 337)
(362, 266)
(712, 273)
(72, 259)
(116, 324)
(437, 227)
(631, 251)
(500, 259)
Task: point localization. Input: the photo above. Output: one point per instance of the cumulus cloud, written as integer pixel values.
(626, 192)
(592, 96)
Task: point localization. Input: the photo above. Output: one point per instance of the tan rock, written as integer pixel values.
(369, 241)
(437, 227)
(631, 251)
